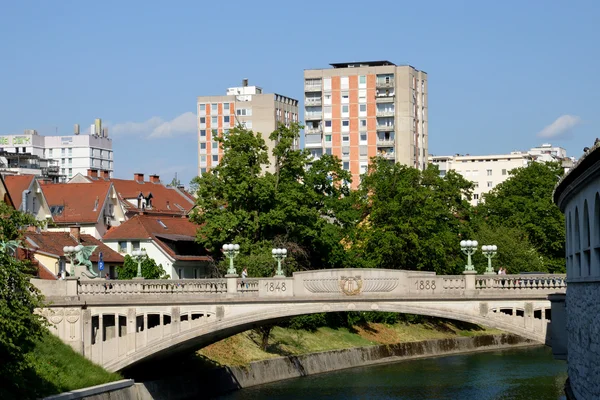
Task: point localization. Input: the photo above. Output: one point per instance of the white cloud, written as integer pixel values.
(156, 127)
(560, 127)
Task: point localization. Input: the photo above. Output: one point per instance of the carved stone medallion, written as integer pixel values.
(351, 285)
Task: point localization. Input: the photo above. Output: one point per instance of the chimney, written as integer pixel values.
(245, 82)
(181, 187)
(138, 177)
(154, 178)
(92, 173)
(106, 174)
(76, 233)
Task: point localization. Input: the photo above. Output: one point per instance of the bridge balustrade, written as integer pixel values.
(527, 282)
(151, 286)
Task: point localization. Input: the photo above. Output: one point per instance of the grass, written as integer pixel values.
(57, 368)
(243, 348)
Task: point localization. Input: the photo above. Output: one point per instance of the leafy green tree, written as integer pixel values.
(150, 270)
(175, 182)
(524, 201)
(20, 326)
(295, 207)
(411, 219)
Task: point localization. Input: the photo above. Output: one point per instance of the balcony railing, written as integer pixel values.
(311, 101)
(385, 142)
(310, 130)
(388, 155)
(312, 87)
(384, 98)
(384, 84)
(313, 116)
(385, 128)
(384, 113)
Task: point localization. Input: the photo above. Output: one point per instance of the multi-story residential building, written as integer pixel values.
(359, 110)
(486, 172)
(59, 157)
(247, 106)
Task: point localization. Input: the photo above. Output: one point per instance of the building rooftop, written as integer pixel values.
(53, 242)
(15, 185)
(362, 64)
(76, 202)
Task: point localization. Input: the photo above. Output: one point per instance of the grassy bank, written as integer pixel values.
(56, 368)
(244, 348)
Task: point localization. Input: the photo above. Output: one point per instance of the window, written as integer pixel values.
(202, 170)
(122, 247)
(202, 120)
(489, 184)
(328, 150)
(328, 124)
(215, 145)
(213, 122)
(180, 273)
(346, 139)
(214, 108)
(362, 108)
(49, 152)
(215, 158)
(225, 107)
(326, 83)
(203, 146)
(135, 245)
(363, 123)
(344, 82)
(346, 165)
(70, 151)
(345, 98)
(62, 161)
(328, 138)
(363, 137)
(344, 109)
(70, 161)
(226, 119)
(503, 172)
(202, 132)
(489, 172)
(202, 159)
(62, 152)
(362, 79)
(202, 108)
(475, 196)
(345, 122)
(70, 174)
(244, 111)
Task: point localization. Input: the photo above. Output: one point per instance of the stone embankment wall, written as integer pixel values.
(583, 330)
(218, 381)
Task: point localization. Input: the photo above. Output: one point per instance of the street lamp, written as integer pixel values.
(139, 255)
(71, 253)
(489, 251)
(231, 251)
(279, 255)
(469, 247)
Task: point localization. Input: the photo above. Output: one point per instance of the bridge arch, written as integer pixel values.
(216, 330)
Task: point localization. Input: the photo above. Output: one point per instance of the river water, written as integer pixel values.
(528, 374)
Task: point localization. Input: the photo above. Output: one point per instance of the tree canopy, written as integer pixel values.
(150, 270)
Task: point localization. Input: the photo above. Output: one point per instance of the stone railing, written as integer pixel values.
(247, 285)
(151, 286)
(521, 282)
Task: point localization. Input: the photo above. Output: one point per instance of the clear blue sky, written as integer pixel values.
(500, 73)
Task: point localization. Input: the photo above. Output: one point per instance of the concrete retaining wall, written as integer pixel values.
(218, 381)
(119, 390)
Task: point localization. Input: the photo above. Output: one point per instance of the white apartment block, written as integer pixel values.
(486, 172)
(247, 106)
(60, 157)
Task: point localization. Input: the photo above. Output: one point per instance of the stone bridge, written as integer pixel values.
(120, 323)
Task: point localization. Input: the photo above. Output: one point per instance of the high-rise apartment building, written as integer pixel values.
(247, 106)
(359, 110)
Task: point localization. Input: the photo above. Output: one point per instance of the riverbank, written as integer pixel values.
(221, 380)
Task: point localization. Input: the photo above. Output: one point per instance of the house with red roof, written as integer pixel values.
(169, 240)
(4, 194)
(150, 196)
(27, 196)
(94, 208)
(45, 249)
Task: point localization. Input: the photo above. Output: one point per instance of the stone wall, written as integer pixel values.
(583, 330)
(222, 380)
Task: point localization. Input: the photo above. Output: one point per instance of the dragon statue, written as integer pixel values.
(83, 258)
(9, 247)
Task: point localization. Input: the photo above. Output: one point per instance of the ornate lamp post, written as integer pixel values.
(139, 255)
(231, 251)
(489, 251)
(469, 247)
(70, 254)
(279, 255)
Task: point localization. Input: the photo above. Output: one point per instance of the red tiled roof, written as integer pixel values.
(165, 199)
(159, 229)
(53, 243)
(16, 184)
(78, 199)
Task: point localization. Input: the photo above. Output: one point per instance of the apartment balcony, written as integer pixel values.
(388, 155)
(313, 101)
(384, 84)
(385, 128)
(313, 140)
(313, 88)
(385, 142)
(313, 116)
(384, 113)
(309, 130)
(384, 98)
